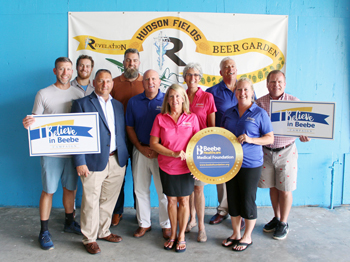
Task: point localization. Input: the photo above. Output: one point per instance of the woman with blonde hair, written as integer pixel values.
(252, 127)
(172, 130)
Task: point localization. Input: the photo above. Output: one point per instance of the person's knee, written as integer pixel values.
(65, 190)
(285, 194)
(172, 201)
(46, 195)
(198, 190)
(183, 201)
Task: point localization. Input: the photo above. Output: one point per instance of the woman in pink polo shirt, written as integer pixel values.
(172, 130)
(203, 105)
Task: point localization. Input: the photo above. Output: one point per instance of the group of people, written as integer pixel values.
(136, 119)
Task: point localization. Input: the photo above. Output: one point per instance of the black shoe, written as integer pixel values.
(271, 226)
(45, 240)
(281, 231)
(74, 227)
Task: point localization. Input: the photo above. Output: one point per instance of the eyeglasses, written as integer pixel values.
(195, 75)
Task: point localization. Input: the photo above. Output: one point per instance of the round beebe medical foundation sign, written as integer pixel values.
(214, 156)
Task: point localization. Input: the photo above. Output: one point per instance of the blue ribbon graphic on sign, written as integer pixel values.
(299, 116)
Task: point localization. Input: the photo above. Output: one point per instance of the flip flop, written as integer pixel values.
(178, 244)
(242, 245)
(230, 242)
(168, 242)
(190, 226)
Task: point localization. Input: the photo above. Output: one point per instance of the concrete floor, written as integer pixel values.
(316, 234)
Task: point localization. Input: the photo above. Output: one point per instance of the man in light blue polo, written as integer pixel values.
(140, 114)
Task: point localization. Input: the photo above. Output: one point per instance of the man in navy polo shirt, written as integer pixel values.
(140, 114)
(224, 97)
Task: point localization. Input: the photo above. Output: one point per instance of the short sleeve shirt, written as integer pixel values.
(174, 136)
(254, 123)
(53, 100)
(264, 102)
(202, 105)
(123, 89)
(141, 112)
(224, 99)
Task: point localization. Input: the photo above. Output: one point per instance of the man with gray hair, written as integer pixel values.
(126, 86)
(224, 97)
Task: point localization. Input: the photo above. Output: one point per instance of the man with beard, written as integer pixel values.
(85, 65)
(56, 99)
(126, 85)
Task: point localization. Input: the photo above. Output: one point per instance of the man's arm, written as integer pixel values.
(304, 139)
(145, 150)
(83, 170)
(28, 121)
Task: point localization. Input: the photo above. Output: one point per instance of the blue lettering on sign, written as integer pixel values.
(68, 140)
(299, 116)
(214, 155)
(58, 131)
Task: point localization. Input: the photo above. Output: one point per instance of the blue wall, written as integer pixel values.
(35, 33)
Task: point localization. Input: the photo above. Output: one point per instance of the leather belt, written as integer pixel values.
(142, 144)
(113, 153)
(278, 149)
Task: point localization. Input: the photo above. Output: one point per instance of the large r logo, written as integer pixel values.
(171, 53)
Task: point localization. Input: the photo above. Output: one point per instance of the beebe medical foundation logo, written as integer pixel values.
(214, 156)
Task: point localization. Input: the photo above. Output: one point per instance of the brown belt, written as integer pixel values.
(113, 153)
(277, 149)
(142, 144)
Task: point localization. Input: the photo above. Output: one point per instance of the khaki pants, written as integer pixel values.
(100, 193)
(222, 209)
(143, 169)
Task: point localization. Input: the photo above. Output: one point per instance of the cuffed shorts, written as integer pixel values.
(55, 168)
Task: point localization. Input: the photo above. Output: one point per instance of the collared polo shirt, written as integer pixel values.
(254, 123)
(89, 89)
(141, 112)
(264, 102)
(174, 136)
(202, 105)
(224, 99)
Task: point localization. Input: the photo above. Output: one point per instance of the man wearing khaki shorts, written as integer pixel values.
(280, 168)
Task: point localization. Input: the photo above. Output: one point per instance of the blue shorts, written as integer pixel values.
(55, 168)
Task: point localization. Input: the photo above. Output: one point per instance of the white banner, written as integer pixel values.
(296, 118)
(64, 134)
(167, 41)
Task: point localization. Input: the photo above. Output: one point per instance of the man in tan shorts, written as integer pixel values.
(280, 168)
